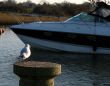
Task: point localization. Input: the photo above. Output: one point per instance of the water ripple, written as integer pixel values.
(77, 70)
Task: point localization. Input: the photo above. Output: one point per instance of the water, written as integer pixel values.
(77, 69)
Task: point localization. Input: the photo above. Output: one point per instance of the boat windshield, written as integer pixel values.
(85, 18)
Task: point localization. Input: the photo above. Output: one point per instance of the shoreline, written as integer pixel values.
(15, 18)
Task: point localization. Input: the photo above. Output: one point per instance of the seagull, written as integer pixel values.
(25, 52)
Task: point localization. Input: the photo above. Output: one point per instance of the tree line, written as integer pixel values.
(56, 9)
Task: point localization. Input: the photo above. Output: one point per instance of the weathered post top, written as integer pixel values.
(34, 73)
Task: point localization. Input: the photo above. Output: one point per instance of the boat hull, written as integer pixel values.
(62, 47)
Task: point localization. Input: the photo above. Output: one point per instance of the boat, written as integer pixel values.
(83, 33)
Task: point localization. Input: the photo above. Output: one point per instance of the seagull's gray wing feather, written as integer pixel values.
(23, 51)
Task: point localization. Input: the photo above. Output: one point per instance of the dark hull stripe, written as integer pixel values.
(71, 38)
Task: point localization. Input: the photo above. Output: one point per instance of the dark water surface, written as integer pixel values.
(77, 69)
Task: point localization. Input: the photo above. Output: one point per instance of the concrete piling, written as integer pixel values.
(33, 73)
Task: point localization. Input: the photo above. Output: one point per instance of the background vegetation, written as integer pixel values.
(62, 9)
(12, 12)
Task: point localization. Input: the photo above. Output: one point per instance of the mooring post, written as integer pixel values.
(33, 73)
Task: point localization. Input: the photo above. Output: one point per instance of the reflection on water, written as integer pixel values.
(77, 69)
(9, 50)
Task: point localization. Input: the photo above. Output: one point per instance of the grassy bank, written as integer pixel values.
(13, 18)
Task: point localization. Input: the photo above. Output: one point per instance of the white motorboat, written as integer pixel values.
(83, 33)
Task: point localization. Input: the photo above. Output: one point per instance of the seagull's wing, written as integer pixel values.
(24, 50)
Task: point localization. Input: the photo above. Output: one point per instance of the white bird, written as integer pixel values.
(25, 52)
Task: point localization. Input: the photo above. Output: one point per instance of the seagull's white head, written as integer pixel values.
(28, 46)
